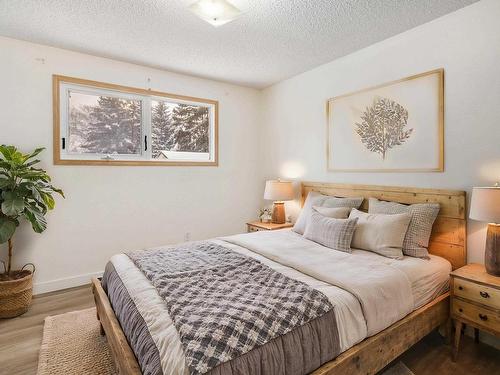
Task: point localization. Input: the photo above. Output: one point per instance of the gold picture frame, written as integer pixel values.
(433, 77)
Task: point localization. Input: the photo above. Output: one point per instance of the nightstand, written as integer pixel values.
(256, 226)
(475, 300)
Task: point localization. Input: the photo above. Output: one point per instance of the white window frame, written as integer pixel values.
(62, 86)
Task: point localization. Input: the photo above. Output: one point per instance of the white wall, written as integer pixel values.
(465, 43)
(114, 209)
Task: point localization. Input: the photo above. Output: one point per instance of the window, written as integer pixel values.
(98, 123)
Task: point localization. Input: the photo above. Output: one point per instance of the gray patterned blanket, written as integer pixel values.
(224, 304)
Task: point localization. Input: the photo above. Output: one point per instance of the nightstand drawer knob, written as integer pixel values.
(460, 288)
(460, 310)
(483, 317)
(484, 294)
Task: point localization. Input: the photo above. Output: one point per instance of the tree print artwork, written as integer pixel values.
(383, 126)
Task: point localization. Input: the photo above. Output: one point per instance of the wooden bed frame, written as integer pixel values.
(448, 240)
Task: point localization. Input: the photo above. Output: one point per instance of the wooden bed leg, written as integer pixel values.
(445, 330)
(101, 330)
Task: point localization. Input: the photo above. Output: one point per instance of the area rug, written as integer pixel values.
(72, 345)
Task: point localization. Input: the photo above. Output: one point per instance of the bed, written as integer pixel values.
(365, 339)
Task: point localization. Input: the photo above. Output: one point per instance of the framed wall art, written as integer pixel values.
(394, 127)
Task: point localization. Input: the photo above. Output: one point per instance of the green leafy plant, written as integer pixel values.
(25, 192)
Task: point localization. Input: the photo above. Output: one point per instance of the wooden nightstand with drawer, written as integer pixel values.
(475, 300)
(256, 226)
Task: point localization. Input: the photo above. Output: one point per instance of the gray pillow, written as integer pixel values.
(333, 212)
(383, 234)
(354, 202)
(317, 199)
(419, 231)
(333, 233)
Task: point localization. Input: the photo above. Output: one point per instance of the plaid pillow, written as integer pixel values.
(419, 231)
(333, 233)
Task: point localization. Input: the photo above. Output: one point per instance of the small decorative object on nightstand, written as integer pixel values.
(485, 206)
(475, 300)
(256, 226)
(278, 191)
(265, 215)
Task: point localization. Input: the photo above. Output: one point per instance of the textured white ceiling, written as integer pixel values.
(273, 40)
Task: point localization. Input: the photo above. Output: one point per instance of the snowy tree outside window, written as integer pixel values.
(104, 124)
(101, 124)
(179, 128)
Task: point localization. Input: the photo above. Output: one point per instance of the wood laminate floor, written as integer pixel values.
(21, 337)
(431, 357)
(20, 340)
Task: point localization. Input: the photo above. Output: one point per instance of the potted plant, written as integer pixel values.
(25, 192)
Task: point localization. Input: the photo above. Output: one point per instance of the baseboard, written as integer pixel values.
(65, 283)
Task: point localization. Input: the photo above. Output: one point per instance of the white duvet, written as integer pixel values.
(383, 291)
(369, 292)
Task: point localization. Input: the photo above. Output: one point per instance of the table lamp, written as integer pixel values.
(278, 191)
(485, 206)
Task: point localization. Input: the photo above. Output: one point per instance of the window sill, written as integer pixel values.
(138, 163)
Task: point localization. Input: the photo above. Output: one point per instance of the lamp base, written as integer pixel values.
(279, 213)
(492, 250)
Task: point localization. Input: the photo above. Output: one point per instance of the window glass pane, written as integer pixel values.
(180, 131)
(100, 124)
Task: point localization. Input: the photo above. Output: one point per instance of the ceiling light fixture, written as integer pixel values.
(215, 12)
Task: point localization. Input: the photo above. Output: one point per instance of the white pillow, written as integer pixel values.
(317, 199)
(380, 233)
(419, 231)
(333, 233)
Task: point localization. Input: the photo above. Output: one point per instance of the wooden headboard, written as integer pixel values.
(448, 239)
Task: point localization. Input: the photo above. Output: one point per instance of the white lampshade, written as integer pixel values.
(278, 190)
(485, 204)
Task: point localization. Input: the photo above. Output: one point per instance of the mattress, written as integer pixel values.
(426, 278)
